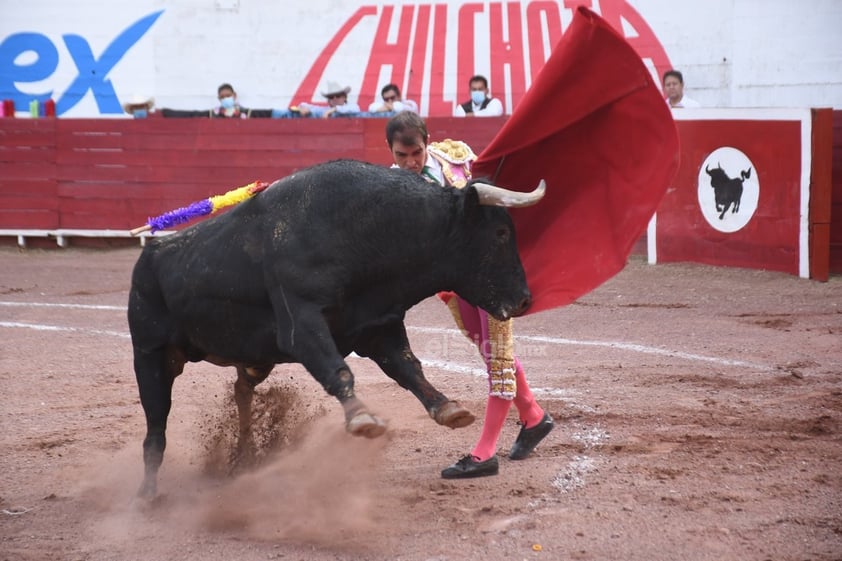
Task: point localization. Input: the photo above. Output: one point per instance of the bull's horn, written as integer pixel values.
(491, 195)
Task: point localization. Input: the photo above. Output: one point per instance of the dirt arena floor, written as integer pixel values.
(698, 409)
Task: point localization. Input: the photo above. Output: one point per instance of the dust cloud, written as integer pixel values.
(307, 480)
(319, 490)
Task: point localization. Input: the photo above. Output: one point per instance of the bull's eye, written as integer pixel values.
(502, 234)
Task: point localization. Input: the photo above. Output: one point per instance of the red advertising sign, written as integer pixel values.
(413, 43)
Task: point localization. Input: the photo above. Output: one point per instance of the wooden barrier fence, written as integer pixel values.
(68, 178)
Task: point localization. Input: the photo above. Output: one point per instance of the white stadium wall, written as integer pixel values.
(89, 55)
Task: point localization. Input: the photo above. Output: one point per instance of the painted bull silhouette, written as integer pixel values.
(727, 191)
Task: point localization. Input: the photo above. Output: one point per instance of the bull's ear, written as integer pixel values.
(470, 200)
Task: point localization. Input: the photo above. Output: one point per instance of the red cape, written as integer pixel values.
(594, 126)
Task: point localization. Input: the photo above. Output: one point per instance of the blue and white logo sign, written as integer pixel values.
(29, 59)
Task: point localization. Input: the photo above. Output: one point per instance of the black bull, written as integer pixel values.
(726, 191)
(321, 264)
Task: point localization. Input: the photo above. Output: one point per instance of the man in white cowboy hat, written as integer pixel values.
(337, 103)
(139, 106)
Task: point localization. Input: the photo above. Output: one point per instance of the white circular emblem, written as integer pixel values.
(728, 189)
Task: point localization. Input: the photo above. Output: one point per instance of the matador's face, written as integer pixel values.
(412, 156)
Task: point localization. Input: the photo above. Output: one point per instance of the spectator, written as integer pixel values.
(481, 103)
(228, 108)
(448, 163)
(337, 104)
(139, 106)
(392, 101)
(674, 90)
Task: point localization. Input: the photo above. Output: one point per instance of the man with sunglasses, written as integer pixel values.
(337, 103)
(392, 102)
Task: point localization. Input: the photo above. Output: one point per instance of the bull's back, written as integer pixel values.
(322, 219)
(328, 236)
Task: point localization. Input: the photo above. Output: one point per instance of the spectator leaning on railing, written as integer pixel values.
(228, 108)
(392, 102)
(337, 105)
(139, 106)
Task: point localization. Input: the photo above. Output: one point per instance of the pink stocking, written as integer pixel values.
(528, 409)
(496, 411)
(475, 322)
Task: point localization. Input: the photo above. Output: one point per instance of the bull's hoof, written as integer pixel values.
(453, 415)
(367, 425)
(148, 490)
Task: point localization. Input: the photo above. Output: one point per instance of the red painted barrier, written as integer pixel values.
(770, 238)
(752, 191)
(113, 174)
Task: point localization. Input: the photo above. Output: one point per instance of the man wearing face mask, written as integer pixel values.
(481, 103)
(228, 106)
(139, 106)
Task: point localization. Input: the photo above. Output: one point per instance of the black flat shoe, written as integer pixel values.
(469, 467)
(528, 439)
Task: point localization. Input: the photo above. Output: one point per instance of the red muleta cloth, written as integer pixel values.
(595, 126)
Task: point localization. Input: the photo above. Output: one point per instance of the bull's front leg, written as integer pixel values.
(338, 381)
(308, 339)
(388, 346)
(358, 420)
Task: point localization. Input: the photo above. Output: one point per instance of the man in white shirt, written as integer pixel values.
(674, 90)
(392, 102)
(481, 103)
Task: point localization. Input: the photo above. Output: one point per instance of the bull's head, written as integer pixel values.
(717, 175)
(496, 281)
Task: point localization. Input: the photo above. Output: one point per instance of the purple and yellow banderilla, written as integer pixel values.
(201, 208)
